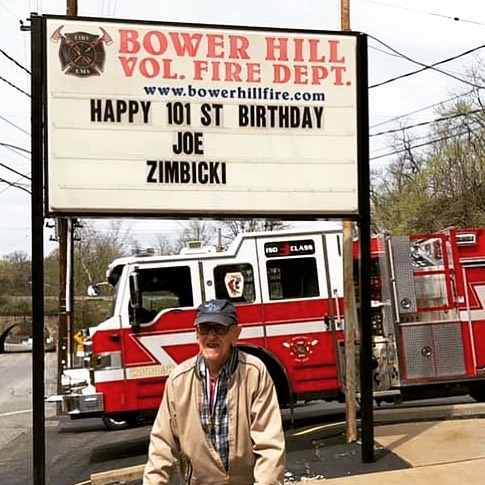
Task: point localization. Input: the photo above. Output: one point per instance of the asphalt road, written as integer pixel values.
(74, 450)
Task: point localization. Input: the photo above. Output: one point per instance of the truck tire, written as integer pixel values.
(115, 424)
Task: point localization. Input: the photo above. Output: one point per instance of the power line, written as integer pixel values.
(15, 184)
(13, 14)
(15, 171)
(14, 86)
(14, 125)
(15, 147)
(14, 61)
(424, 123)
(421, 109)
(395, 152)
(426, 66)
(456, 19)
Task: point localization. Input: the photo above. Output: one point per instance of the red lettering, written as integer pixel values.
(281, 73)
(149, 67)
(183, 43)
(334, 44)
(308, 74)
(276, 47)
(319, 73)
(128, 64)
(215, 44)
(200, 67)
(254, 72)
(233, 72)
(338, 70)
(227, 71)
(155, 42)
(298, 50)
(128, 42)
(313, 54)
(301, 74)
(238, 47)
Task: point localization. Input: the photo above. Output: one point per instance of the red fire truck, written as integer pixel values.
(428, 318)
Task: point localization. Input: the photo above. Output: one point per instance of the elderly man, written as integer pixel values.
(219, 419)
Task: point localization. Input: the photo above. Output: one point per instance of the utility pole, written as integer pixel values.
(61, 223)
(71, 8)
(345, 14)
(350, 313)
(367, 420)
(349, 301)
(65, 232)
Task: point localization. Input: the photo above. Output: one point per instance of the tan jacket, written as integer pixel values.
(257, 442)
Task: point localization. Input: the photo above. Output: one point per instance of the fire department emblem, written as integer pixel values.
(82, 54)
(301, 347)
(234, 284)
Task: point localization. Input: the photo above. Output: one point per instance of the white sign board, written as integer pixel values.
(157, 118)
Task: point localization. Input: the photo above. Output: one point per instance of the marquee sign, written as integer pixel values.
(149, 118)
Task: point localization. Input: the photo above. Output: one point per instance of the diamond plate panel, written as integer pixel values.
(387, 313)
(403, 271)
(416, 342)
(448, 344)
(433, 350)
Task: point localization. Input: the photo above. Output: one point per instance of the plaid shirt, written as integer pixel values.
(215, 421)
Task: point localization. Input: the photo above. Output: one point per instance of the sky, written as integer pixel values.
(400, 31)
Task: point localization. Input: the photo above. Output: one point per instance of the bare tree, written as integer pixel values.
(440, 182)
(229, 229)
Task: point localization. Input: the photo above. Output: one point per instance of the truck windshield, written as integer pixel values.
(161, 288)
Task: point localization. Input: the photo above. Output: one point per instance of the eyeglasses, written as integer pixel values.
(205, 328)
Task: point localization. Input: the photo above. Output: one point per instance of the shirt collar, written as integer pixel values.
(227, 369)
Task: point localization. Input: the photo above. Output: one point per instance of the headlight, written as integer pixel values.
(106, 360)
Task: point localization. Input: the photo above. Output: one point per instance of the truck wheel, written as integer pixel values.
(114, 424)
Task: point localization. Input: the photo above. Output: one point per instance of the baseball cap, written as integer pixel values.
(217, 311)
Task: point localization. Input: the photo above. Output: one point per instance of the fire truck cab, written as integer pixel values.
(286, 285)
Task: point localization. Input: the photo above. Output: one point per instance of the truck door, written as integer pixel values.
(301, 286)
(157, 314)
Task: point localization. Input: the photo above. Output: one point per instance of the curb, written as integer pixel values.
(122, 475)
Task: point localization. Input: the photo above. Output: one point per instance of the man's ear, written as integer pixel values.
(237, 331)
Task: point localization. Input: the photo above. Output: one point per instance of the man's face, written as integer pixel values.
(215, 345)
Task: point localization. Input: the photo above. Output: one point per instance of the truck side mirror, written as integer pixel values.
(93, 290)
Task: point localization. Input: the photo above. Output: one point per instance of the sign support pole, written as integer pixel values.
(37, 217)
(365, 315)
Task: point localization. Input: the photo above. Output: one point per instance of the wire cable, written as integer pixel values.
(15, 171)
(14, 86)
(437, 140)
(14, 125)
(426, 66)
(14, 184)
(15, 147)
(422, 109)
(456, 19)
(429, 122)
(14, 61)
